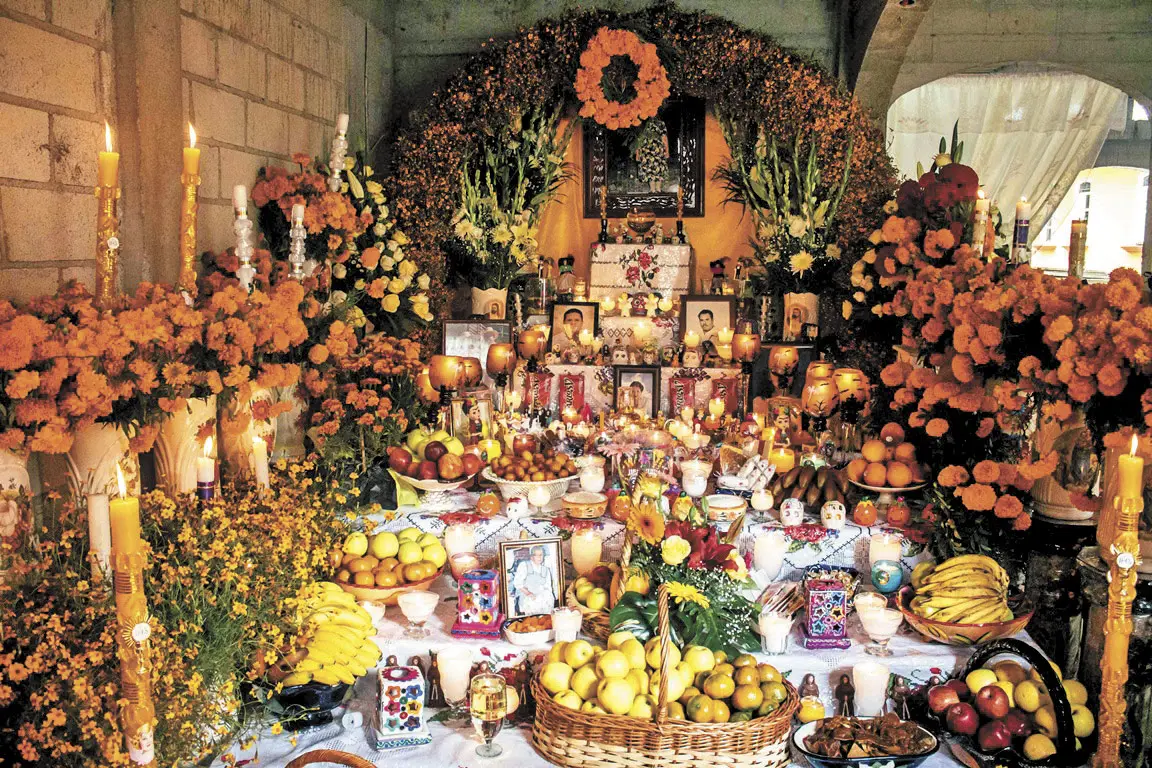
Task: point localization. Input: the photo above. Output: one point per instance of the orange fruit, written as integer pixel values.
(748, 675)
(747, 697)
(874, 451)
(892, 433)
(856, 469)
(720, 712)
(344, 575)
(917, 472)
(364, 579)
(899, 475)
(368, 563)
(905, 452)
(385, 579)
(875, 475)
(719, 686)
(699, 709)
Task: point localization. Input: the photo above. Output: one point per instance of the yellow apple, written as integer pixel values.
(1028, 696)
(615, 696)
(612, 664)
(411, 533)
(617, 639)
(384, 545)
(1038, 747)
(1045, 719)
(568, 699)
(685, 672)
(978, 678)
(556, 677)
(634, 652)
(410, 552)
(1011, 671)
(642, 707)
(577, 653)
(639, 680)
(584, 682)
(652, 654)
(675, 686)
(356, 544)
(592, 707)
(1083, 723)
(556, 653)
(597, 600)
(700, 658)
(1035, 675)
(582, 591)
(1076, 692)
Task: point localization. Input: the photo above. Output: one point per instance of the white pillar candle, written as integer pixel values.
(240, 197)
(725, 334)
(871, 681)
(342, 123)
(884, 546)
(260, 461)
(206, 465)
(768, 553)
(99, 535)
(459, 537)
(691, 339)
(716, 407)
(298, 212)
(587, 548)
(455, 666)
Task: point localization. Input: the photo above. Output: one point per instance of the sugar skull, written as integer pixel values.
(833, 515)
(792, 512)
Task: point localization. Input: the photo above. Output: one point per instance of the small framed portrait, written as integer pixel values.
(471, 338)
(706, 315)
(638, 388)
(568, 320)
(531, 576)
(472, 417)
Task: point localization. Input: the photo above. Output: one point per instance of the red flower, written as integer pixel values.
(645, 260)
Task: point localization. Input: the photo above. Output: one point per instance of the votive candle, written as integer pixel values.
(884, 546)
(108, 162)
(587, 549)
(1132, 473)
(260, 461)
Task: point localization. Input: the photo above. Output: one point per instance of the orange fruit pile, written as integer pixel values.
(888, 461)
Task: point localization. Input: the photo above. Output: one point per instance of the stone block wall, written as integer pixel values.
(55, 94)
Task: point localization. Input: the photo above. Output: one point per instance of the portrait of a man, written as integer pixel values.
(568, 320)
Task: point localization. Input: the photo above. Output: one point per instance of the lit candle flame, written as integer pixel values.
(255, 439)
(191, 135)
(1133, 451)
(120, 481)
(1023, 198)
(107, 137)
(980, 193)
(208, 446)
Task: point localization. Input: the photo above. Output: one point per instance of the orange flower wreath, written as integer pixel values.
(651, 85)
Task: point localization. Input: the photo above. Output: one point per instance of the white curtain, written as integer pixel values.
(1026, 134)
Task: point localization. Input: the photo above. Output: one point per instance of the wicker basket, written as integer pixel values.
(594, 624)
(570, 738)
(510, 489)
(318, 756)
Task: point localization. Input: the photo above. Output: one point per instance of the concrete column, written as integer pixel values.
(1146, 254)
(149, 114)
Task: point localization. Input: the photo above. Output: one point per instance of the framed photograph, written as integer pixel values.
(531, 576)
(472, 417)
(568, 319)
(643, 167)
(706, 314)
(471, 338)
(638, 386)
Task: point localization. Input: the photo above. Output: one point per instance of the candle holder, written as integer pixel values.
(242, 227)
(444, 377)
(501, 361)
(107, 244)
(188, 208)
(603, 237)
(297, 235)
(782, 364)
(337, 154)
(745, 349)
(820, 400)
(680, 236)
(134, 653)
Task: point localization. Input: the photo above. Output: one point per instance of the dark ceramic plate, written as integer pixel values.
(311, 704)
(908, 761)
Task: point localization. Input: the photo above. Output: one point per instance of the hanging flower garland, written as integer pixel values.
(651, 85)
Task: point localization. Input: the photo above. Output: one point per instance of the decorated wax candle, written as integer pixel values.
(108, 162)
(587, 548)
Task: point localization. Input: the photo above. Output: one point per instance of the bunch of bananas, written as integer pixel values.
(969, 589)
(334, 643)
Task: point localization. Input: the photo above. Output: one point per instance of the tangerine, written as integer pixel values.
(385, 579)
(874, 450)
(856, 469)
(748, 675)
(899, 475)
(364, 579)
(905, 452)
(747, 697)
(875, 474)
(719, 686)
(699, 709)
(892, 433)
(720, 712)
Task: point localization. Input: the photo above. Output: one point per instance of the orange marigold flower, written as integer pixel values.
(21, 383)
(962, 368)
(979, 497)
(990, 335)
(894, 374)
(1022, 523)
(936, 427)
(318, 354)
(1008, 507)
(1058, 329)
(952, 475)
(986, 471)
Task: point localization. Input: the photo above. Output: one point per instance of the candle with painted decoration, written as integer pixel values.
(783, 360)
(530, 344)
(191, 154)
(124, 517)
(1132, 473)
(851, 383)
(260, 461)
(691, 339)
(444, 371)
(489, 449)
(819, 369)
(108, 162)
(716, 407)
(501, 359)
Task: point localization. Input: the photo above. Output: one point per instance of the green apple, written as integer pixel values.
(454, 446)
(415, 438)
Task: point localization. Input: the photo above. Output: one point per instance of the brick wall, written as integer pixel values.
(55, 94)
(263, 80)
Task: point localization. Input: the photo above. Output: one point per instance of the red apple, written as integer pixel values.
(962, 718)
(960, 687)
(450, 467)
(993, 735)
(1018, 723)
(472, 463)
(941, 697)
(399, 459)
(434, 450)
(992, 702)
(427, 471)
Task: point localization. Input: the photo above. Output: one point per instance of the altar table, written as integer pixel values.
(454, 743)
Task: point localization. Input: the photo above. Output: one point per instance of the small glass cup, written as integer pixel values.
(489, 705)
(881, 624)
(865, 601)
(462, 562)
(775, 627)
(417, 607)
(455, 665)
(566, 624)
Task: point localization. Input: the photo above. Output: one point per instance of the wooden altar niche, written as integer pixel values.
(605, 150)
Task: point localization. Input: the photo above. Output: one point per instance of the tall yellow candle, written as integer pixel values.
(108, 163)
(1132, 474)
(124, 516)
(191, 154)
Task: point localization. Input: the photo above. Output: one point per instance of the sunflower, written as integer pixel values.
(647, 522)
(683, 593)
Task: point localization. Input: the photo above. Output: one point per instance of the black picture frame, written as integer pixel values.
(619, 372)
(684, 117)
(455, 339)
(564, 306)
(707, 301)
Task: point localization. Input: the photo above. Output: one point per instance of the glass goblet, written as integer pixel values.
(417, 607)
(489, 705)
(881, 625)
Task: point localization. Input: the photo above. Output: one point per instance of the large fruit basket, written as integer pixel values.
(571, 738)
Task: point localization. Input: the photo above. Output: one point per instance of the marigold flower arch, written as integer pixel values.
(743, 75)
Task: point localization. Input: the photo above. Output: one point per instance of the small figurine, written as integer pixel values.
(717, 269)
(899, 513)
(865, 513)
(900, 693)
(846, 697)
(566, 282)
(792, 512)
(808, 687)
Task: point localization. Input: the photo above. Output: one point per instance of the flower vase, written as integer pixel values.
(96, 450)
(236, 428)
(1076, 472)
(800, 309)
(289, 426)
(181, 441)
(491, 303)
(15, 505)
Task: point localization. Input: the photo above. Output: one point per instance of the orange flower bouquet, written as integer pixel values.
(620, 94)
